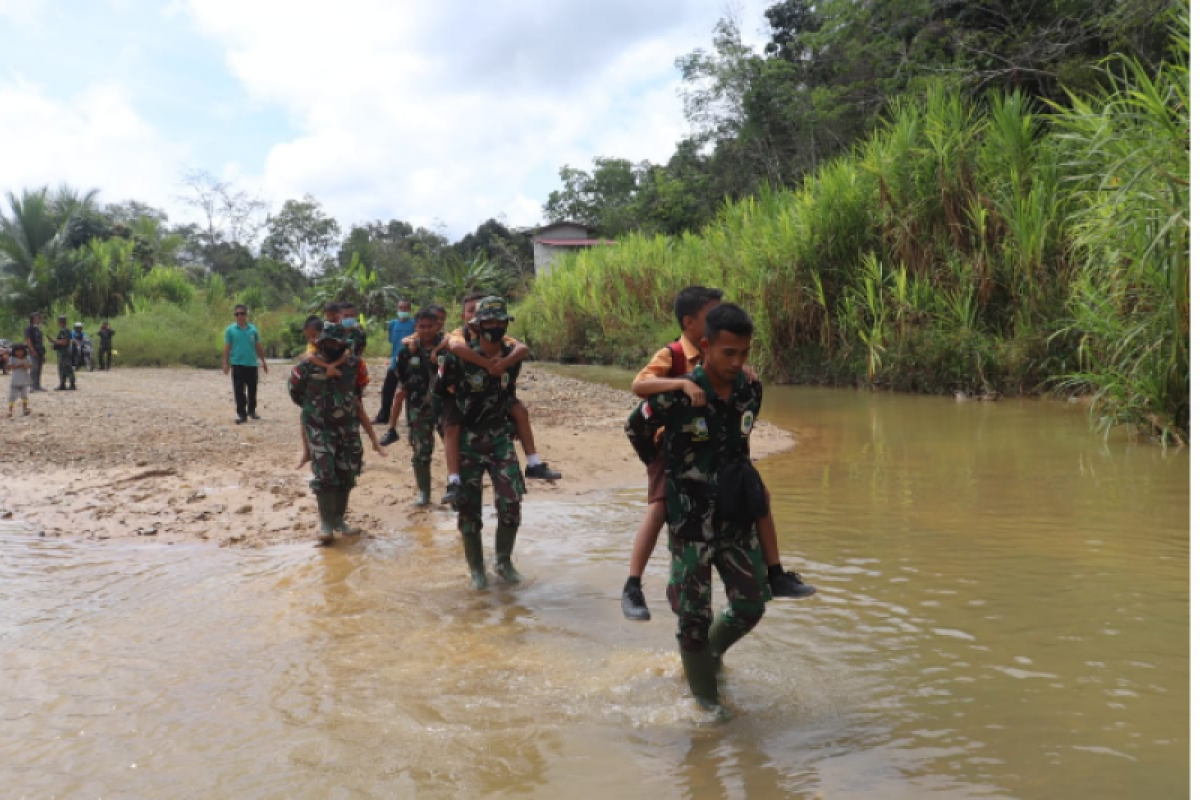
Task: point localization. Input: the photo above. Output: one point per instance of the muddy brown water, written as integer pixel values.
(1003, 613)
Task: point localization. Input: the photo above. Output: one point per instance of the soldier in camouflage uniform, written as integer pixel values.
(416, 367)
(479, 403)
(330, 414)
(702, 446)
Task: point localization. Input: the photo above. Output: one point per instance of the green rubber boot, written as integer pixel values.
(506, 537)
(423, 471)
(722, 636)
(473, 547)
(700, 668)
(327, 508)
(343, 503)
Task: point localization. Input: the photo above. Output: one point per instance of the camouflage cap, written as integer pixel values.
(490, 308)
(333, 330)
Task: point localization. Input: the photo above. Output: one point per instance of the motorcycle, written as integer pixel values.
(81, 353)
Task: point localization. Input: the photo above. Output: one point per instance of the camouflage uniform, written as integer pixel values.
(329, 415)
(356, 339)
(478, 402)
(66, 361)
(699, 443)
(417, 368)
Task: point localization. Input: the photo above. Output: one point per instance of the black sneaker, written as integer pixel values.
(379, 421)
(789, 584)
(633, 603)
(254, 416)
(542, 472)
(390, 437)
(452, 492)
(239, 421)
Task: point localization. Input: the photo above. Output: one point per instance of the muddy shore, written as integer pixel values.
(154, 454)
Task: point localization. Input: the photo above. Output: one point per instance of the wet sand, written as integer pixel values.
(154, 454)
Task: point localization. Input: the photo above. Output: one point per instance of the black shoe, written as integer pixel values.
(633, 603)
(60, 388)
(542, 472)
(452, 492)
(254, 416)
(379, 421)
(390, 437)
(789, 584)
(239, 421)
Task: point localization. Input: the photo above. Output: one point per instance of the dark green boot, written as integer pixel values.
(343, 503)
(700, 668)
(473, 547)
(721, 637)
(423, 471)
(327, 504)
(506, 537)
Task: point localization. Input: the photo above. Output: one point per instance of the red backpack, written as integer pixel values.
(679, 362)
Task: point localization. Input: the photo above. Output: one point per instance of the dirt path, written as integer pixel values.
(155, 452)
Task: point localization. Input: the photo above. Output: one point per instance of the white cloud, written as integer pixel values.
(94, 139)
(456, 110)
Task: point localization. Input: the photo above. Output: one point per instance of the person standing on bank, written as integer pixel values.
(398, 329)
(62, 349)
(714, 497)
(36, 342)
(243, 352)
(478, 403)
(105, 334)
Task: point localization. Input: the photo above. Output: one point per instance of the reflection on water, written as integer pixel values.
(1003, 613)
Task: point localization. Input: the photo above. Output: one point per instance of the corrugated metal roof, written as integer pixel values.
(573, 242)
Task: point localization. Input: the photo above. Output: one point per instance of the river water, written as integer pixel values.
(1003, 612)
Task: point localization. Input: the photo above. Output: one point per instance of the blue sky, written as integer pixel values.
(444, 113)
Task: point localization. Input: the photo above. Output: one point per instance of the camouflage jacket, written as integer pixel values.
(331, 400)
(699, 444)
(482, 399)
(417, 368)
(356, 338)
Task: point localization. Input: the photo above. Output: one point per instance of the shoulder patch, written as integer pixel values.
(747, 423)
(647, 412)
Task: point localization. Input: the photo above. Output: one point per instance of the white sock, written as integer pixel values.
(532, 460)
(453, 478)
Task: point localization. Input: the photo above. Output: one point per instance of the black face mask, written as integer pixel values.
(493, 334)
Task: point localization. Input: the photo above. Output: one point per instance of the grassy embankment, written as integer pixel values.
(964, 246)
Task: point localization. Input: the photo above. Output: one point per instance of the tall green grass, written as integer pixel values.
(965, 246)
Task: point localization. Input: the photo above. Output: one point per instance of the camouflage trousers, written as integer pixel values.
(493, 453)
(423, 424)
(337, 452)
(739, 562)
(66, 371)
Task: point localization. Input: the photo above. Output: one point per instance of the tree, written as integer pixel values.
(302, 235)
(230, 215)
(604, 199)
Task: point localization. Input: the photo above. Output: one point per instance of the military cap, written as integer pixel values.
(490, 308)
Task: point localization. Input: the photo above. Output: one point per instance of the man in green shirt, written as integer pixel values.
(714, 497)
(243, 352)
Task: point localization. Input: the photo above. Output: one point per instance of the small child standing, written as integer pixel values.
(21, 379)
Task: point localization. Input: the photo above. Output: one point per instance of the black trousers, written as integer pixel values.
(105, 357)
(245, 389)
(390, 382)
(35, 371)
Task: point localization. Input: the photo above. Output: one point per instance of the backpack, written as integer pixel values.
(679, 364)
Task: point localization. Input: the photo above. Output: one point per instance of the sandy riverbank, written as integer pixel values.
(141, 453)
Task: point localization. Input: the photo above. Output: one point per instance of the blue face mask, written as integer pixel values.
(349, 322)
(403, 316)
